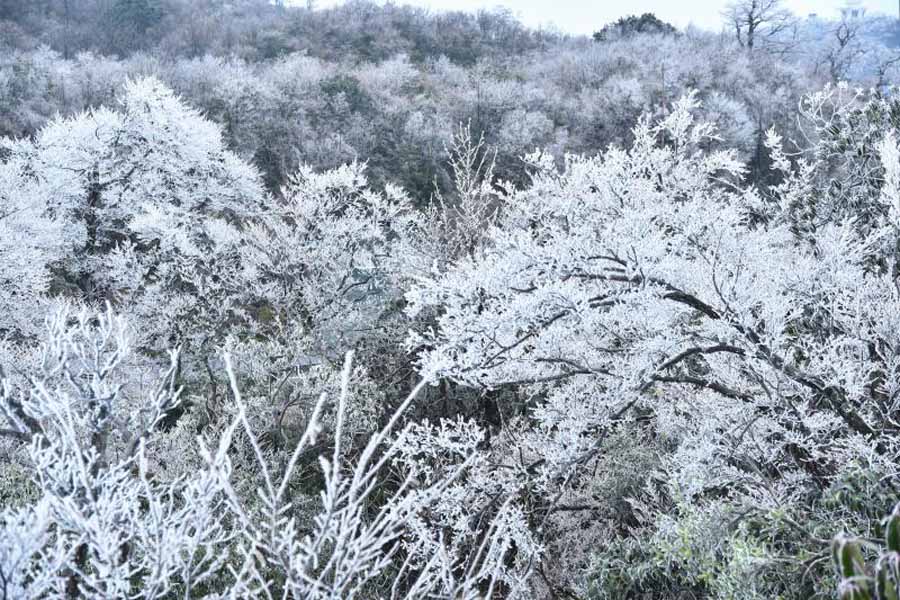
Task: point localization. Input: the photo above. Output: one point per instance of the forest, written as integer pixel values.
(380, 302)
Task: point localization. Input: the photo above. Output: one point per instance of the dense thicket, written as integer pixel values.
(370, 302)
(388, 85)
(260, 29)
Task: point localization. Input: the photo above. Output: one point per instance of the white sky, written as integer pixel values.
(587, 16)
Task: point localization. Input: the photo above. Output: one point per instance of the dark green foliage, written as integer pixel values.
(129, 25)
(846, 153)
(739, 551)
(879, 580)
(343, 93)
(136, 15)
(633, 25)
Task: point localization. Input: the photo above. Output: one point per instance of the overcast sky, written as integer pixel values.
(586, 16)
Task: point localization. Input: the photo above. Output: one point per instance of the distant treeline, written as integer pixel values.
(389, 84)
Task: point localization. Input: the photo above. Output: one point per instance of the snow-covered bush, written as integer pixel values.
(109, 523)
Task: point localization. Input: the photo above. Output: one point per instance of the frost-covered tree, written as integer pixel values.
(850, 49)
(30, 242)
(324, 256)
(759, 23)
(455, 223)
(147, 203)
(323, 270)
(645, 288)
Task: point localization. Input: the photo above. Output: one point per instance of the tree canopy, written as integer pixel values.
(632, 25)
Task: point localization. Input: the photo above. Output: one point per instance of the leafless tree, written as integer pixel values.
(759, 22)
